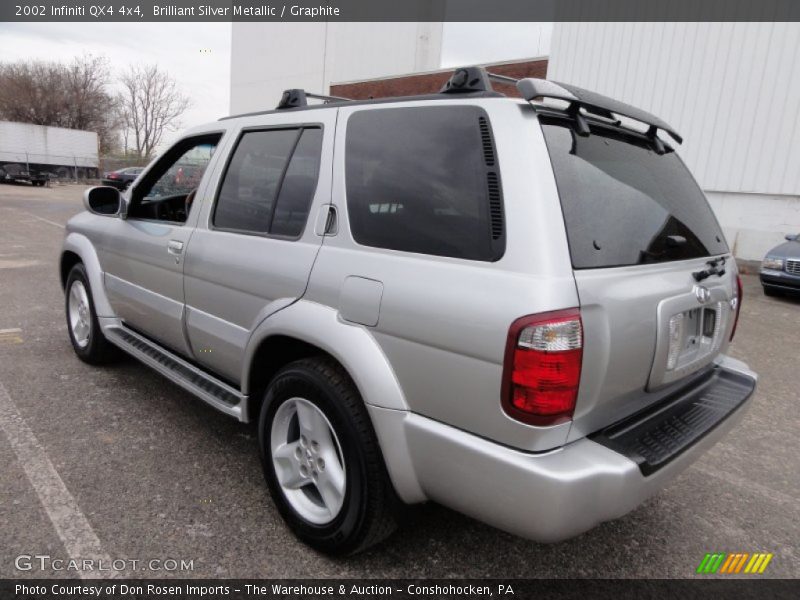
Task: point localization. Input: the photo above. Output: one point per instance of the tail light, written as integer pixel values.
(736, 304)
(542, 367)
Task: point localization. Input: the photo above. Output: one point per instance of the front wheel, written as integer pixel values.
(770, 291)
(322, 461)
(84, 330)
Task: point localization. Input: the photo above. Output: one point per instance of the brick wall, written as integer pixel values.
(429, 83)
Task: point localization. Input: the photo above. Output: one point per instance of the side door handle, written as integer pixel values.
(326, 221)
(175, 247)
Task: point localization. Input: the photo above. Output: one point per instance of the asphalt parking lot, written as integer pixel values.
(158, 475)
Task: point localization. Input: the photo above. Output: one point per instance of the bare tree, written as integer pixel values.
(74, 96)
(32, 92)
(90, 106)
(150, 104)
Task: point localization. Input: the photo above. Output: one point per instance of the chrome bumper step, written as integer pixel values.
(208, 388)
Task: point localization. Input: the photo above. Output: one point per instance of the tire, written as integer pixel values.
(770, 291)
(84, 330)
(318, 391)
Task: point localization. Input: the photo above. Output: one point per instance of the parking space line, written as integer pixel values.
(71, 525)
(48, 221)
(11, 336)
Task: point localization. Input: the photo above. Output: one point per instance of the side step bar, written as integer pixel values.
(206, 387)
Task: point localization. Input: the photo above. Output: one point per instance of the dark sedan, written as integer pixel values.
(122, 178)
(13, 173)
(780, 269)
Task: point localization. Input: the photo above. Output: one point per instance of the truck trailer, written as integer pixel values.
(36, 153)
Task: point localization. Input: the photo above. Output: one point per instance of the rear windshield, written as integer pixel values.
(624, 204)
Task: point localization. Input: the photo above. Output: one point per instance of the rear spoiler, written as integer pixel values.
(475, 79)
(591, 102)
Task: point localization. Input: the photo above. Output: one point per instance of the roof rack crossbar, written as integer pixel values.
(298, 97)
(327, 98)
(502, 78)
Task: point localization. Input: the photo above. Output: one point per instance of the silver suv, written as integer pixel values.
(516, 307)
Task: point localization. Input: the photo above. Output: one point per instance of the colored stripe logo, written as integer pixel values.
(737, 562)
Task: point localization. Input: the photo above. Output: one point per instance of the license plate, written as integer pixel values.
(688, 337)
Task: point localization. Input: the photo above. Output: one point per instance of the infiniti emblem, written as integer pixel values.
(702, 294)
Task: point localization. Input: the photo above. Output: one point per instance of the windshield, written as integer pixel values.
(623, 203)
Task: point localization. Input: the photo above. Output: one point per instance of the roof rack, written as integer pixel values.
(478, 79)
(297, 97)
(466, 80)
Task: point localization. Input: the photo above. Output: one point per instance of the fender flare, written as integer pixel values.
(80, 245)
(352, 345)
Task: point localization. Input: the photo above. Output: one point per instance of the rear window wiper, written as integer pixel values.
(715, 267)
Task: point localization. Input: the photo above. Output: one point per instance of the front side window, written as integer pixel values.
(425, 180)
(176, 176)
(270, 182)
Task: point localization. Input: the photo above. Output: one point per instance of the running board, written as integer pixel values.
(206, 387)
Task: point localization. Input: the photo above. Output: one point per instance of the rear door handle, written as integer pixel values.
(326, 220)
(174, 247)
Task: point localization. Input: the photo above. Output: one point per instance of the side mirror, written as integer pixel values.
(791, 237)
(103, 200)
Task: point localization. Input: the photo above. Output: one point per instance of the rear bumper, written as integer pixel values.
(548, 496)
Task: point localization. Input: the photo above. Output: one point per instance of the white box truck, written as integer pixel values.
(35, 153)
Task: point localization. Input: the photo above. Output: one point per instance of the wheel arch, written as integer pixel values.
(68, 260)
(77, 248)
(272, 354)
(307, 329)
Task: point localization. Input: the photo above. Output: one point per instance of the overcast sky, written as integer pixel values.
(197, 55)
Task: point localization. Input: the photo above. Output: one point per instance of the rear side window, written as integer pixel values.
(425, 180)
(624, 204)
(270, 182)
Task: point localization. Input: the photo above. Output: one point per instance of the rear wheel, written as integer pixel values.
(84, 330)
(322, 461)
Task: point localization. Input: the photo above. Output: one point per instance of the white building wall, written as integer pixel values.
(731, 89)
(483, 43)
(267, 58)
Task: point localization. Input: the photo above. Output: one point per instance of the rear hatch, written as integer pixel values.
(639, 230)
